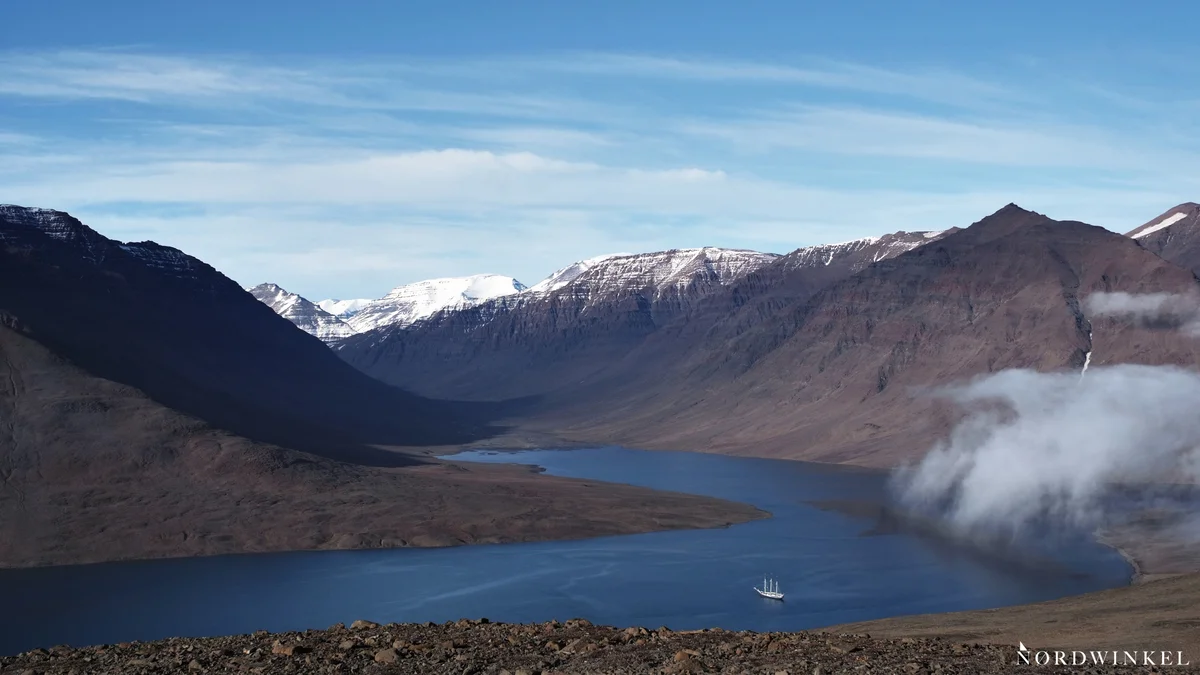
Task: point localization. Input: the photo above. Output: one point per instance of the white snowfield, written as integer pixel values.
(344, 309)
(410, 303)
(1160, 225)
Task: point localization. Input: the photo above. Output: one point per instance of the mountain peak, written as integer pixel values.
(1007, 220)
(306, 315)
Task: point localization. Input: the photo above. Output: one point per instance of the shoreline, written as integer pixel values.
(1138, 575)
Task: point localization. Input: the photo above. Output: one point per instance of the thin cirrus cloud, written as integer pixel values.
(856, 131)
(574, 155)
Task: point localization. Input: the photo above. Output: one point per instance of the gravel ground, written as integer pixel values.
(477, 646)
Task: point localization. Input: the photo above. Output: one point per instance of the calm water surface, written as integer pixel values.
(685, 579)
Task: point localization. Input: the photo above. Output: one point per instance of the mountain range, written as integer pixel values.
(332, 320)
(812, 355)
(147, 398)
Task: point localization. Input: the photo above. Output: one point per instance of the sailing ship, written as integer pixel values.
(770, 589)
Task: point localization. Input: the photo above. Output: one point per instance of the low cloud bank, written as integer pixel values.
(1040, 448)
(1158, 311)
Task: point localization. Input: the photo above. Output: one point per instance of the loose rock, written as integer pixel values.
(478, 648)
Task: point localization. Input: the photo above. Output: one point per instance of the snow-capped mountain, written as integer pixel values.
(656, 273)
(344, 309)
(410, 303)
(305, 314)
(588, 316)
(684, 273)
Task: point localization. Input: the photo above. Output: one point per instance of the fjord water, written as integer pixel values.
(829, 570)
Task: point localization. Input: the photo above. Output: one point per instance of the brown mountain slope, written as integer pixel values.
(838, 377)
(92, 470)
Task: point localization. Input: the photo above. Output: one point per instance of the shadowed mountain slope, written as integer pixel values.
(156, 319)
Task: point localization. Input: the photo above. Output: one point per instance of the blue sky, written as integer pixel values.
(340, 150)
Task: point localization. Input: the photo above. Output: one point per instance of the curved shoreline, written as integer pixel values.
(1137, 575)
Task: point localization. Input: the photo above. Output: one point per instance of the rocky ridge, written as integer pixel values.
(576, 646)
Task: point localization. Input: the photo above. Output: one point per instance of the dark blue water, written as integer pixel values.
(684, 579)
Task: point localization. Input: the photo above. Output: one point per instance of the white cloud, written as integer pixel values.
(1049, 448)
(856, 131)
(541, 146)
(1162, 311)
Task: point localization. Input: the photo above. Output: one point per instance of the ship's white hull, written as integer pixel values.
(769, 594)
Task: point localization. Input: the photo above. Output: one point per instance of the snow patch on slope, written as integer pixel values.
(1161, 225)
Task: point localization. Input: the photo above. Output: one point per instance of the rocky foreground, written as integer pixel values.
(477, 646)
